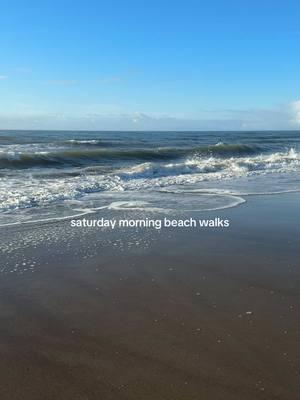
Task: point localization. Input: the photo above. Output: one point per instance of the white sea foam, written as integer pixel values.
(207, 183)
(26, 189)
(233, 166)
(77, 141)
(149, 202)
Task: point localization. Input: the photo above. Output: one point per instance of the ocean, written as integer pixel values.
(48, 175)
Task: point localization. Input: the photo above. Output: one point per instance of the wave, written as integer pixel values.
(25, 189)
(233, 166)
(90, 143)
(81, 157)
(86, 141)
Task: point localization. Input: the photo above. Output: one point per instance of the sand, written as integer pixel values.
(173, 314)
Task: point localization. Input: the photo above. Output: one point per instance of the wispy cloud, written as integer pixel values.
(2, 77)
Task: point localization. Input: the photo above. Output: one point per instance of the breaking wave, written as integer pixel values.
(34, 190)
(92, 156)
(42, 173)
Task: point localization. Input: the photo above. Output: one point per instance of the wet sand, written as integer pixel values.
(178, 314)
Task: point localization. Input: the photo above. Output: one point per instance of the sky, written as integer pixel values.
(150, 65)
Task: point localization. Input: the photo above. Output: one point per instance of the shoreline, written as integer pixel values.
(144, 314)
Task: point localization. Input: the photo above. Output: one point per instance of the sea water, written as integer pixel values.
(47, 175)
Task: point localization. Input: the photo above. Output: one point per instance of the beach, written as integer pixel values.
(175, 313)
(150, 200)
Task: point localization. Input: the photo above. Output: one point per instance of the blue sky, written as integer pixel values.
(226, 64)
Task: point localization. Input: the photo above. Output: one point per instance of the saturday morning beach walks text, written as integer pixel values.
(150, 223)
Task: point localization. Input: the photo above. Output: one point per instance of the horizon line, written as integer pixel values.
(148, 130)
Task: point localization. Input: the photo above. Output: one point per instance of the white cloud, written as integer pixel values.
(113, 117)
(2, 77)
(295, 107)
